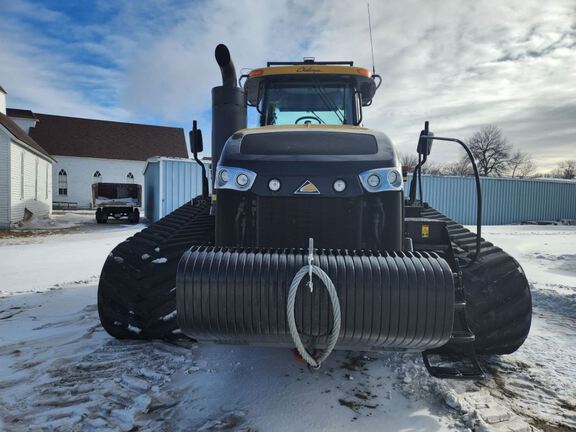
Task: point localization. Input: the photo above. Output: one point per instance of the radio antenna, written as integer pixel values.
(371, 41)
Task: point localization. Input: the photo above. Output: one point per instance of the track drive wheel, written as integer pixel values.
(497, 292)
(136, 293)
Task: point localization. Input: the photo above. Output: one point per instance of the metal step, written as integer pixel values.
(472, 371)
(462, 337)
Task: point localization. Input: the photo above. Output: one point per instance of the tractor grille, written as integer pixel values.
(244, 219)
(333, 223)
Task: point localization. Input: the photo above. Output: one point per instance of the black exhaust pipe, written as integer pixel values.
(227, 69)
(228, 105)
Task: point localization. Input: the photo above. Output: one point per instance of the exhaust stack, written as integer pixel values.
(228, 105)
(227, 68)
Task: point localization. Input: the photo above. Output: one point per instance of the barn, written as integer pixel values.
(87, 151)
(25, 172)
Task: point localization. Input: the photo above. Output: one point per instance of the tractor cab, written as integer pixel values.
(310, 93)
(309, 171)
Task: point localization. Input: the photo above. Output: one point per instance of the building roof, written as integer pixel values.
(71, 136)
(2, 90)
(19, 134)
(20, 113)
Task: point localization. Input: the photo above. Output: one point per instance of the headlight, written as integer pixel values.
(339, 185)
(373, 180)
(382, 179)
(242, 180)
(239, 179)
(394, 178)
(274, 185)
(224, 177)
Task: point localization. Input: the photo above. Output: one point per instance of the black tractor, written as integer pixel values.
(308, 239)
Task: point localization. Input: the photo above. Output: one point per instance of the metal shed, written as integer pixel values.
(168, 184)
(506, 200)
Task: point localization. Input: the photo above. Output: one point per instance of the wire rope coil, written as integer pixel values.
(334, 334)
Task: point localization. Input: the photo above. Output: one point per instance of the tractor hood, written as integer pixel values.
(268, 149)
(298, 154)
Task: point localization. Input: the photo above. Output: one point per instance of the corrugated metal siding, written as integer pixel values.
(170, 185)
(505, 201)
(182, 182)
(151, 192)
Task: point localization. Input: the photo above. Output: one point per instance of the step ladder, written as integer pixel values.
(464, 362)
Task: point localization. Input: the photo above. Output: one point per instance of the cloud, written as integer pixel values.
(175, 72)
(40, 73)
(460, 65)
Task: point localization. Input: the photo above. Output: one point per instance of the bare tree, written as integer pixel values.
(411, 160)
(408, 159)
(433, 169)
(458, 168)
(521, 164)
(491, 150)
(565, 170)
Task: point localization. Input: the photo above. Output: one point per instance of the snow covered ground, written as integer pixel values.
(60, 371)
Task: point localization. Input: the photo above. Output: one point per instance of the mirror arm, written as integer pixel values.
(195, 134)
(242, 77)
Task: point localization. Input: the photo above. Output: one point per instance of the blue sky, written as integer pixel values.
(459, 64)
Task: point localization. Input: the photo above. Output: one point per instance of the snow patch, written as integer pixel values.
(118, 259)
(57, 364)
(160, 260)
(134, 329)
(125, 418)
(145, 257)
(169, 316)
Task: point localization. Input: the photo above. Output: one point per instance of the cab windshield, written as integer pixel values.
(308, 102)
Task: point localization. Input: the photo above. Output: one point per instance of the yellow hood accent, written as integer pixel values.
(284, 128)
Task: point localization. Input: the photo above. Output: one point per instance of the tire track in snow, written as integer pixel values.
(115, 386)
(477, 406)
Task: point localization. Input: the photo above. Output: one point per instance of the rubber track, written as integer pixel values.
(498, 299)
(136, 296)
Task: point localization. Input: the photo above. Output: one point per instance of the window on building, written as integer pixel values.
(36, 175)
(129, 178)
(22, 175)
(62, 183)
(97, 178)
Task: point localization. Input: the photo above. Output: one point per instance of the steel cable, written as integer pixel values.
(334, 334)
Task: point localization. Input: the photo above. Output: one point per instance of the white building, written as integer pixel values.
(25, 172)
(88, 151)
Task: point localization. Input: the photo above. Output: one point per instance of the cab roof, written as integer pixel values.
(364, 79)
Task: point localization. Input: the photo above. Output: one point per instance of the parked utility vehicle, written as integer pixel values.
(117, 200)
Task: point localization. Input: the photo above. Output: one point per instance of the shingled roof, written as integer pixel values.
(19, 134)
(20, 113)
(71, 136)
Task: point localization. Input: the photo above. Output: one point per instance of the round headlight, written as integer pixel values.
(393, 178)
(242, 179)
(373, 180)
(224, 176)
(274, 185)
(339, 185)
